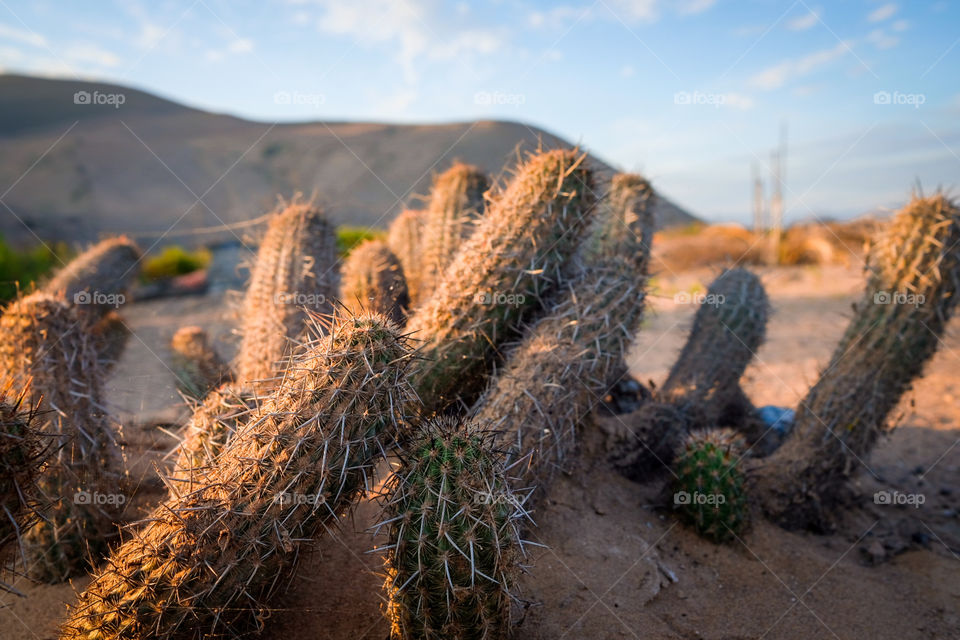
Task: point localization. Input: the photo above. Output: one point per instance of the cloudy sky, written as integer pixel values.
(690, 92)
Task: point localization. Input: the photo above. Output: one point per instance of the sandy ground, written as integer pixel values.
(615, 565)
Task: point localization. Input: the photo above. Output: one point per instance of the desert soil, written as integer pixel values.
(615, 564)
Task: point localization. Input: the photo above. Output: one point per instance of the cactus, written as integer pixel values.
(97, 277)
(569, 359)
(702, 390)
(454, 544)
(109, 336)
(371, 279)
(913, 276)
(206, 562)
(405, 239)
(45, 342)
(196, 365)
(456, 205)
(709, 485)
(22, 454)
(295, 270)
(514, 257)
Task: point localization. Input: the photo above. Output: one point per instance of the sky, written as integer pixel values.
(692, 93)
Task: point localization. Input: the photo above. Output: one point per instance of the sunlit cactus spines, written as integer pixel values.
(708, 490)
(405, 239)
(295, 271)
(913, 278)
(515, 257)
(372, 280)
(197, 366)
(455, 206)
(207, 561)
(98, 278)
(454, 551)
(570, 357)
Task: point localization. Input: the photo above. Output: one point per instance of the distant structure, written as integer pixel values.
(777, 205)
(759, 224)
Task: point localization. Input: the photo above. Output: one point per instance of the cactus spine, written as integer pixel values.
(513, 258)
(709, 487)
(570, 357)
(372, 280)
(405, 239)
(456, 205)
(454, 544)
(207, 561)
(22, 453)
(702, 390)
(295, 270)
(913, 276)
(45, 343)
(94, 278)
(196, 365)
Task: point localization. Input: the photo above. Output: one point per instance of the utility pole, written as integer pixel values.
(758, 221)
(778, 161)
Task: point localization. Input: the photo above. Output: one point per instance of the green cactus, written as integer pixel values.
(207, 561)
(454, 545)
(456, 205)
(709, 487)
(571, 356)
(515, 256)
(913, 284)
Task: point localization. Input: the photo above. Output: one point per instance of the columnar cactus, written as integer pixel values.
(22, 454)
(372, 280)
(109, 336)
(456, 205)
(196, 364)
(454, 544)
(702, 390)
(206, 562)
(514, 257)
(709, 485)
(46, 345)
(405, 239)
(569, 358)
(295, 270)
(913, 277)
(98, 277)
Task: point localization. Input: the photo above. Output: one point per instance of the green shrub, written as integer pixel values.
(21, 268)
(175, 261)
(349, 236)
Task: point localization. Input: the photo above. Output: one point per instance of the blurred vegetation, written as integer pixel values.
(348, 237)
(19, 268)
(175, 261)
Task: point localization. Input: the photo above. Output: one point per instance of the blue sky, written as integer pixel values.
(690, 92)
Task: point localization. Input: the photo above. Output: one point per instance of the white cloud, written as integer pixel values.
(806, 21)
(90, 53)
(900, 25)
(693, 7)
(10, 54)
(882, 13)
(397, 102)
(240, 45)
(635, 10)
(881, 40)
(737, 100)
(776, 76)
(23, 36)
(556, 18)
(627, 71)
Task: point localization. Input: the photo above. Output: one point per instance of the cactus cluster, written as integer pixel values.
(197, 366)
(405, 239)
(708, 490)
(372, 280)
(702, 390)
(913, 284)
(454, 543)
(294, 272)
(500, 274)
(206, 561)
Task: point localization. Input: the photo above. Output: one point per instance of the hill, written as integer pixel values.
(81, 161)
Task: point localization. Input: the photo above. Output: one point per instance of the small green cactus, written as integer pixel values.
(454, 544)
(709, 488)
